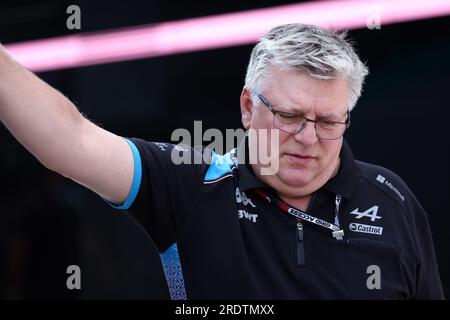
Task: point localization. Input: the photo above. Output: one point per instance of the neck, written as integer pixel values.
(301, 203)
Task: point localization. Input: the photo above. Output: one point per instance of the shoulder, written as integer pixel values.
(386, 181)
(176, 154)
(398, 204)
(210, 166)
(220, 167)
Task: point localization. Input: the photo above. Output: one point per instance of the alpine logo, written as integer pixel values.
(369, 213)
(365, 228)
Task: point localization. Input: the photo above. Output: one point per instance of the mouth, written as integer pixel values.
(299, 159)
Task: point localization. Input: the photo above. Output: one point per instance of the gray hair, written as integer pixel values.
(323, 54)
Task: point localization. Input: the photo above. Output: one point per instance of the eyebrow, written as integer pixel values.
(329, 116)
(321, 116)
(294, 111)
(299, 112)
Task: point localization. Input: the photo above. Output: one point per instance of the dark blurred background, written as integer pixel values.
(48, 222)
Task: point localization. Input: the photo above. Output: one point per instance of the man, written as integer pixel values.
(320, 226)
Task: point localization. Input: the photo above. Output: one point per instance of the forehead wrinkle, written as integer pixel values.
(291, 106)
(295, 110)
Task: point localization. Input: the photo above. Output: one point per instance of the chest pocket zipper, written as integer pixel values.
(300, 245)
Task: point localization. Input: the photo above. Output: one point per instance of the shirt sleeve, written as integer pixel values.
(428, 282)
(162, 188)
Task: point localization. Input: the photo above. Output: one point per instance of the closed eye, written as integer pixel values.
(327, 124)
(287, 115)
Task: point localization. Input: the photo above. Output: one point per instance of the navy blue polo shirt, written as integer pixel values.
(219, 239)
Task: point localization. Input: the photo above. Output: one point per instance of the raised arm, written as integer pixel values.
(52, 129)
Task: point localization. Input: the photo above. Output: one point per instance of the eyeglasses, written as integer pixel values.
(292, 123)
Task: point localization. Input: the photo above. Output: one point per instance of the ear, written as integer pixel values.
(246, 108)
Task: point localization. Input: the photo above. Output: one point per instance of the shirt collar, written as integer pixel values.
(343, 183)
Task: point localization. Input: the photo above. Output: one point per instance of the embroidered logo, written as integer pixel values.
(365, 228)
(243, 214)
(369, 213)
(241, 197)
(389, 184)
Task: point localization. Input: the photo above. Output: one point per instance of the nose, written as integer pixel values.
(307, 135)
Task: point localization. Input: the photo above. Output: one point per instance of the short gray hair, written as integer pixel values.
(323, 54)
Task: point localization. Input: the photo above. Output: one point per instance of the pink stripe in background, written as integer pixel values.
(213, 32)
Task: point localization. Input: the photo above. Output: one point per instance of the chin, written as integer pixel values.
(295, 177)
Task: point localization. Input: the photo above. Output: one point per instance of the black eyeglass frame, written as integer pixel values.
(271, 109)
